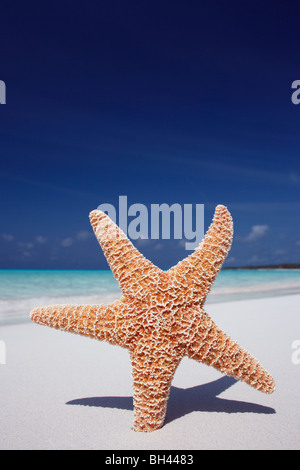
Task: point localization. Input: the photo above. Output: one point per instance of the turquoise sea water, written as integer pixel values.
(22, 290)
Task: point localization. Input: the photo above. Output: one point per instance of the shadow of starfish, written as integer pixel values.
(184, 401)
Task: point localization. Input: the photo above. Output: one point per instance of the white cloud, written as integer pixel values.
(256, 259)
(231, 259)
(294, 177)
(280, 252)
(8, 237)
(83, 235)
(80, 236)
(26, 245)
(40, 239)
(142, 242)
(66, 242)
(257, 232)
(159, 246)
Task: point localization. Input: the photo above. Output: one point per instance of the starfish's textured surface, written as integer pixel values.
(160, 317)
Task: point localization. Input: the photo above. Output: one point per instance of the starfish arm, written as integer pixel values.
(213, 347)
(196, 273)
(136, 275)
(95, 321)
(153, 368)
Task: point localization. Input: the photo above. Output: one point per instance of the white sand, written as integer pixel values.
(62, 391)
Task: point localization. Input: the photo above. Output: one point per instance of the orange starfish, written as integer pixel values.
(160, 317)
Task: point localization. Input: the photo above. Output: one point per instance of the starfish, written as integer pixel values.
(160, 317)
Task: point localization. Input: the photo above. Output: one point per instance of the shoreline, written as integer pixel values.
(10, 317)
(271, 267)
(64, 391)
(17, 310)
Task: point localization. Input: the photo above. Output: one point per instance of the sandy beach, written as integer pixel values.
(62, 391)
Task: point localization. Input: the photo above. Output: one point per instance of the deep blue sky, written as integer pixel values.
(165, 102)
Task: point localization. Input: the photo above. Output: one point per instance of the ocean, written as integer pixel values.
(23, 290)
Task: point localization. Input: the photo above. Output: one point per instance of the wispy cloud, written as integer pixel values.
(8, 237)
(257, 232)
(294, 177)
(26, 245)
(84, 235)
(41, 240)
(14, 177)
(67, 242)
(80, 236)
